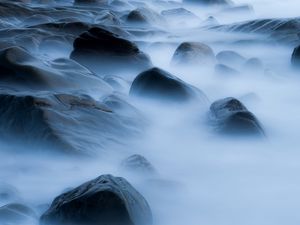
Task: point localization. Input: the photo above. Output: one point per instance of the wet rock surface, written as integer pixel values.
(163, 86)
(104, 200)
(231, 117)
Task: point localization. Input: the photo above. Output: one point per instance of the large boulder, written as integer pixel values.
(65, 123)
(296, 57)
(229, 116)
(105, 52)
(21, 69)
(17, 214)
(193, 54)
(104, 200)
(160, 85)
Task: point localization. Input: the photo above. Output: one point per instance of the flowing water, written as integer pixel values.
(207, 179)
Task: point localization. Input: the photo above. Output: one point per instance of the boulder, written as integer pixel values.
(145, 16)
(8, 193)
(64, 123)
(160, 85)
(254, 65)
(104, 200)
(138, 164)
(193, 53)
(17, 214)
(106, 52)
(222, 69)
(230, 58)
(230, 117)
(21, 69)
(296, 58)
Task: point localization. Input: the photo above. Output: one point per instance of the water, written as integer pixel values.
(209, 179)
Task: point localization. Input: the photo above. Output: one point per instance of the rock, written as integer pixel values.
(17, 214)
(145, 16)
(222, 69)
(280, 30)
(193, 53)
(104, 200)
(230, 117)
(64, 123)
(138, 164)
(209, 2)
(90, 2)
(230, 58)
(8, 193)
(162, 86)
(106, 52)
(254, 65)
(178, 15)
(21, 69)
(296, 58)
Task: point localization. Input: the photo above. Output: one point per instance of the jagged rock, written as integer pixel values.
(105, 52)
(230, 117)
(163, 86)
(104, 200)
(193, 53)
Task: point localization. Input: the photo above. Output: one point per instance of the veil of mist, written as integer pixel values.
(149, 112)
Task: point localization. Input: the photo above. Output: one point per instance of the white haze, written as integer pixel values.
(213, 181)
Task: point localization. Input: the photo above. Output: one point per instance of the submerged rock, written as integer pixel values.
(296, 57)
(104, 200)
(229, 116)
(64, 123)
(162, 86)
(138, 164)
(193, 53)
(222, 69)
(106, 52)
(17, 214)
(8, 193)
(230, 58)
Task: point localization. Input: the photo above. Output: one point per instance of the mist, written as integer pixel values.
(83, 120)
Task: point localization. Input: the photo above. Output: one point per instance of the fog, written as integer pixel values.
(203, 177)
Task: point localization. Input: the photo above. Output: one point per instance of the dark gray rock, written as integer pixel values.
(281, 30)
(193, 53)
(104, 200)
(65, 123)
(296, 58)
(21, 69)
(162, 86)
(105, 53)
(230, 117)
